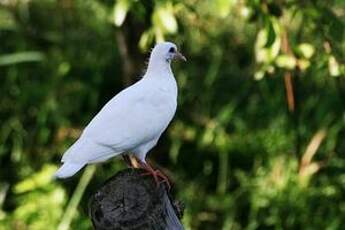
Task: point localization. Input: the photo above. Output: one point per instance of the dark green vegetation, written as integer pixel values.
(258, 141)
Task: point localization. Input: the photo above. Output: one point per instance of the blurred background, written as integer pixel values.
(258, 138)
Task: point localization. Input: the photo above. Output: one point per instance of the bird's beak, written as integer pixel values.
(179, 56)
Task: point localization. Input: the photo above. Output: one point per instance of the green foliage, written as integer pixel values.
(257, 141)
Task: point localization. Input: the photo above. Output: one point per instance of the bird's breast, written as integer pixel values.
(164, 102)
(160, 97)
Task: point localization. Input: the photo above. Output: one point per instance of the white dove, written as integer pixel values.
(132, 121)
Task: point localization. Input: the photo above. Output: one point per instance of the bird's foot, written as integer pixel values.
(158, 176)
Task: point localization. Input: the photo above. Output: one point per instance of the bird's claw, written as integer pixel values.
(156, 175)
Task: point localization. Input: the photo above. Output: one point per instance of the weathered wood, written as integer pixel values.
(129, 201)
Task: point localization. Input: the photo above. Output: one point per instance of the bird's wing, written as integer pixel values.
(131, 118)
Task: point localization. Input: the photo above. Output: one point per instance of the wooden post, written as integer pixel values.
(130, 200)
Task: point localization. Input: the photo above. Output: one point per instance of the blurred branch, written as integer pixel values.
(76, 197)
(287, 76)
(307, 167)
(128, 67)
(313, 147)
(3, 192)
(223, 171)
(290, 91)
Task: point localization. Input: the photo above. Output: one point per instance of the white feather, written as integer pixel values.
(68, 169)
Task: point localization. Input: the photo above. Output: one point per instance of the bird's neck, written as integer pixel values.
(159, 73)
(157, 68)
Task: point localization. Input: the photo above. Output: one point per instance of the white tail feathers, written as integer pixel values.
(68, 169)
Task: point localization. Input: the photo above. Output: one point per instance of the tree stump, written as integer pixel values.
(129, 201)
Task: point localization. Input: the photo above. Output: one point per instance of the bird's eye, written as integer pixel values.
(172, 50)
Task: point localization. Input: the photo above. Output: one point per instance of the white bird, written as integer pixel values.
(133, 120)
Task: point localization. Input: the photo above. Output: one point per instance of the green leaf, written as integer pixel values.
(265, 50)
(29, 56)
(271, 34)
(39, 179)
(336, 25)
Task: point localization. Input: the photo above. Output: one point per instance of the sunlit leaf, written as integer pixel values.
(303, 64)
(333, 66)
(64, 68)
(159, 34)
(41, 209)
(36, 180)
(145, 40)
(258, 75)
(306, 49)
(163, 17)
(246, 12)
(121, 8)
(286, 61)
(222, 7)
(263, 52)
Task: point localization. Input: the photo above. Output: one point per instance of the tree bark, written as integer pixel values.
(129, 201)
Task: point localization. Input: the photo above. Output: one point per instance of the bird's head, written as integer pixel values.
(166, 51)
